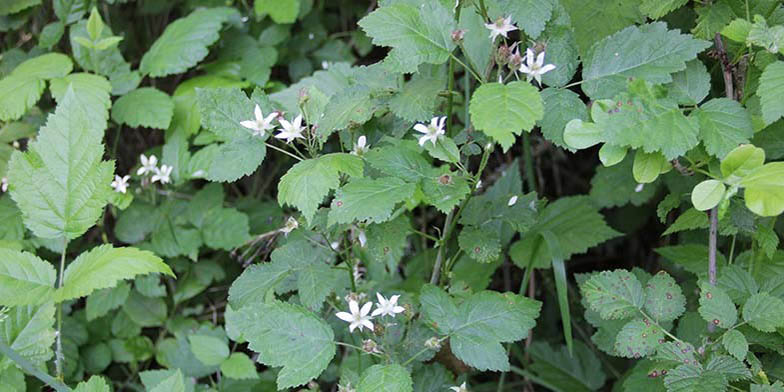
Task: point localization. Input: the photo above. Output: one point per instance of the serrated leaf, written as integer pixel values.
(352, 107)
(25, 279)
(638, 338)
(386, 242)
(95, 384)
(737, 283)
(104, 266)
(503, 111)
(239, 367)
(690, 219)
(92, 90)
(29, 331)
(365, 199)
(385, 378)
(398, 161)
(691, 378)
(14, 6)
(308, 182)
(770, 92)
(716, 306)
(20, 90)
(724, 124)
(184, 42)
(737, 30)
(562, 51)
(729, 367)
(769, 37)
(676, 353)
(664, 300)
(100, 302)
(530, 15)
(657, 8)
(735, 343)
(765, 189)
(444, 189)
(578, 372)
(764, 312)
(584, 15)
(560, 107)
(225, 228)
(707, 194)
(210, 350)
(61, 184)
(691, 257)
(481, 245)
(415, 100)
(281, 11)
(144, 107)
(272, 328)
(614, 294)
(690, 86)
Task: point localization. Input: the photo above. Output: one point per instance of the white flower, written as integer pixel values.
(361, 237)
(358, 272)
(512, 201)
(433, 343)
(4, 184)
(291, 225)
(291, 130)
(361, 147)
(502, 26)
(387, 307)
(639, 188)
(261, 123)
(120, 184)
(324, 64)
(149, 165)
(163, 174)
(535, 68)
(479, 184)
(358, 317)
(431, 132)
(346, 388)
(461, 388)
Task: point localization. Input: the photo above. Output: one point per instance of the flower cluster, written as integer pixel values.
(533, 66)
(289, 131)
(361, 316)
(150, 165)
(431, 132)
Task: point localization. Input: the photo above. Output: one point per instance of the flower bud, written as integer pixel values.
(457, 35)
(433, 343)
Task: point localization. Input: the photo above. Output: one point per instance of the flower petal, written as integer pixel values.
(365, 309)
(257, 113)
(540, 59)
(353, 306)
(377, 312)
(529, 57)
(421, 128)
(367, 323)
(250, 125)
(345, 316)
(547, 68)
(381, 299)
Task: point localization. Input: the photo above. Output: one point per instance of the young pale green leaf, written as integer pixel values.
(735, 343)
(614, 294)
(272, 328)
(741, 161)
(281, 11)
(239, 367)
(92, 90)
(386, 378)
(20, 90)
(664, 300)
(638, 338)
(724, 124)
(210, 350)
(653, 54)
(764, 312)
(184, 42)
(503, 111)
(95, 384)
(707, 194)
(365, 199)
(647, 166)
(579, 134)
(716, 306)
(765, 189)
(771, 92)
(308, 182)
(611, 155)
(104, 266)
(29, 331)
(738, 30)
(144, 107)
(692, 378)
(61, 184)
(690, 86)
(25, 279)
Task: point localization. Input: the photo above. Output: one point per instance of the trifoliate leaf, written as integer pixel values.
(104, 266)
(724, 124)
(560, 107)
(272, 328)
(385, 378)
(735, 343)
(764, 312)
(95, 384)
(239, 367)
(765, 189)
(61, 184)
(716, 306)
(664, 300)
(100, 302)
(657, 8)
(29, 331)
(690, 86)
(144, 107)
(707, 194)
(184, 42)
(503, 111)
(481, 245)
(365, 199)
(210, 350)
(308, 182)
(20, 90)
(579, 371)
(653, 54)
(692, 378)
(638, 338)
(614, 294)
(771, 90)
(25, 279)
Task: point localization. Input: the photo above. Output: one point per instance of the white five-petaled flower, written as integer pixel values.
(261, 124)
(431, 132)
(461, 388)
(149, 165)
(361, 147)
(535, 68)
(4, 184)
(502, 26)
(120, 184)
(358, 317)
(163, 174)
(291, 130)
(387, 307)
(291, 225)
(512, 201)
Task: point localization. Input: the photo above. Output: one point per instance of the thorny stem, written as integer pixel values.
(31, 369)
(58, 358)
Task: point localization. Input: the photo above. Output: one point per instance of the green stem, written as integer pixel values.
(422, 351)
(31, 369)
(282, 150)
(469, 69)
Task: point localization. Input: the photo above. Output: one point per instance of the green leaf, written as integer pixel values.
(173, 383)
(664, 300)
(654, 54)
(647, 166)
(145, 311)
(769, 37)
(239, 367)
(712, 18)
(614, 294)
(735, 343)
(584, 15)
(765, 189)
(577, 372)
(416, 34)
(61, 184)
(386, 242)
(308, 182)
(560, 107)
(770, 91)
(348, 108)
(657, 8)
(100, 302)
(399, 161)
(184, 42)
(272, 328)
(737, 283)
(691, 257)
(724, 124)
(530, 15)
(676, 353)
(738, 30)
(707, 194)
(25, 279)
(281, 11)
(503, 111)
(144, 107)
(690, 219)
(92, 90)
(691, 378)
(690, 86)
(638, 338)
(415, 100)
(615, 186)
(95, 384)
(729, 367)
(151, 379)
(764, 312)
(385, 378)
(481, 245)
(14, 6)
(104, 266)
(365, 199)
(210, 350)
(579, 134)
(741, 161)
(444, 189)
(20, 90)
(716, 306)
(29, 331)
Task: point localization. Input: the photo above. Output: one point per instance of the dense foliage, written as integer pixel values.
(392, 195)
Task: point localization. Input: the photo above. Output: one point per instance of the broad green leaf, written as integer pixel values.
(614, 294)
(615, 186)
(14, 6)
(210, 350)
(738, 283)
(647, 166)
(729, 367)
(769, 37)
(25, 279)
(712, 18)
(764, 312)
(386, 242)
(92, 90)
(738, 30)
(481, 245)
(444, 189)
(144, 107)
(184, 42)
(104, 266)
(692, 378)
(173, 383)
(20, 90)
(348, 108)
(61, 184)
(503, 111)
(741, 161)
(690, 219)
(579, 134)
(716, 306)
(145, 311)
(664, 300)
(273, 328)
(584, 14)
(399, 161)
(657, 8)
(415, 100)
(560, 107)
(611, 155)
(735, 343)
(579, 372)
(475, 46)
(638, 338)
(530, 15)
(562, 51)
(225, 228)
(707, 194)
(29, 331)
(365, 199)
(281, 11)
(771, 92)
(724, 124)
(108, 62)
(95, 384)
(385, 378)
(308, 182)
(239, 367)
(416, 34)
(100, 302)
(676, 353)
(690, 86)
(765, 189)
(256, 281)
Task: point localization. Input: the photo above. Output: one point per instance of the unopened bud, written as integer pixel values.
(502, 55)
(433, 343)
(457, 35)
(370, 346)
(304, 97)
